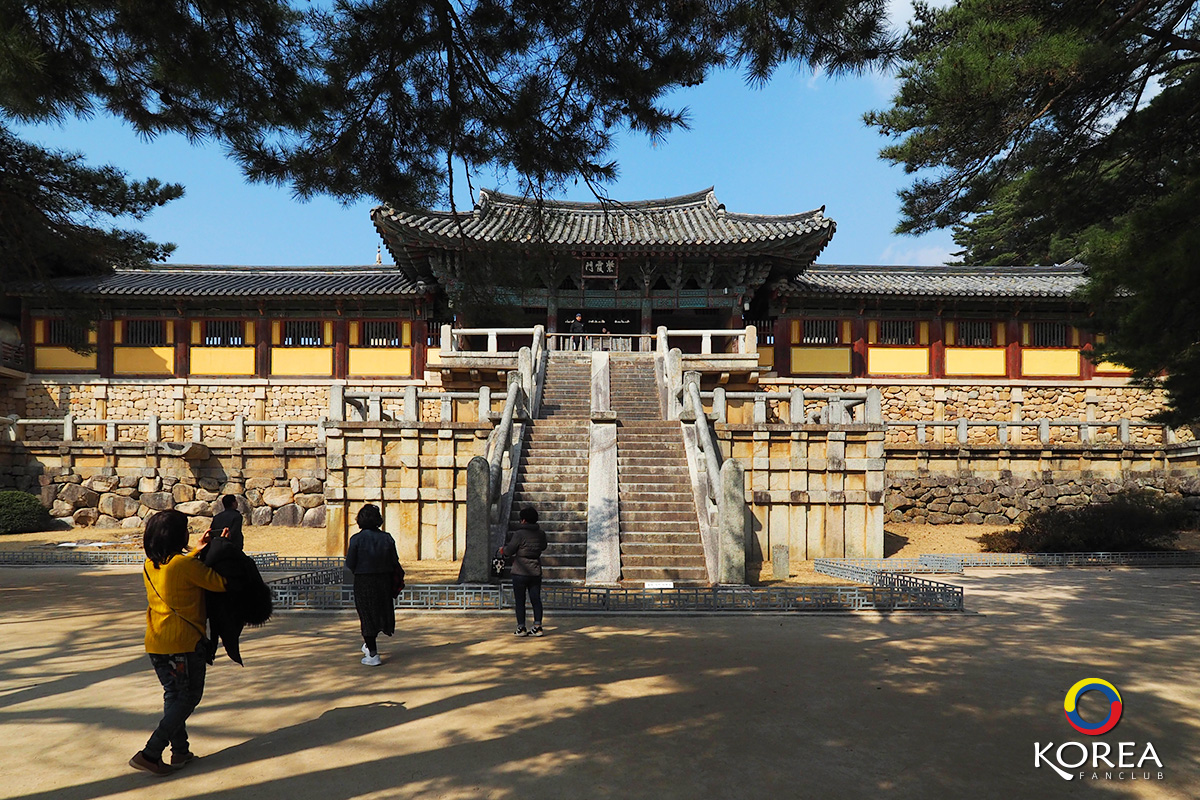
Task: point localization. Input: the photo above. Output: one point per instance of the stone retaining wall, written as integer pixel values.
(945, 499)
(119, 485)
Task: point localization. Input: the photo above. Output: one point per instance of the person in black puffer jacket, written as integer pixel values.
(371, 556)
(247, 600)
(526, 541)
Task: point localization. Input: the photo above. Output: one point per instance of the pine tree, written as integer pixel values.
(1047, 130)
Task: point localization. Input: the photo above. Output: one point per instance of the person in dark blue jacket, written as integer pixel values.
(525, 544)
(371, 556)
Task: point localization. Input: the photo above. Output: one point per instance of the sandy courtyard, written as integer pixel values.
(881, 706)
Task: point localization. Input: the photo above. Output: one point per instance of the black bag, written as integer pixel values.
(498, 566)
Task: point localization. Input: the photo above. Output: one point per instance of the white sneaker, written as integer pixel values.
(373, 660)
(366, 651)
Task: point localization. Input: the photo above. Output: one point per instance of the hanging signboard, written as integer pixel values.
(604, 268)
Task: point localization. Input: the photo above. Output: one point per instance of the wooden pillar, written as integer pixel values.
(1087, 367)
(341, 347)
(1012, 350)
(937, 347)
(27, 337)
(783, 346)
(858, 359)
(420, 347)
(104, 347)
(183, 338)
(262, 347)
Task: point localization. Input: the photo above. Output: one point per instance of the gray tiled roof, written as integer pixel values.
(689, 223)
(1015, 282)
(201, 281)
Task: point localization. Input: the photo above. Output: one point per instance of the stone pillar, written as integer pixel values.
(603, 533)
(476, 563)
(731, 525)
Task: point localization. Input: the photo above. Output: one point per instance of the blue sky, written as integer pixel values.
(794, 145)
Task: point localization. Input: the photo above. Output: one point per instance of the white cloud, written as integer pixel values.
(922, 255)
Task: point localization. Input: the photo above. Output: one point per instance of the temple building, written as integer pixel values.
(544, 337)
(627, 268)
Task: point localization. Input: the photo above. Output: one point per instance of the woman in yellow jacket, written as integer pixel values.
(175, 624)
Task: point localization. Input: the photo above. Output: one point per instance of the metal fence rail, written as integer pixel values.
(953, 563)
(901, 594)
(265, 561)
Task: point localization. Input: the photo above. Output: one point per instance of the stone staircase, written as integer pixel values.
(660, 536)
(633, 389)
(659, 533)
(553, 477)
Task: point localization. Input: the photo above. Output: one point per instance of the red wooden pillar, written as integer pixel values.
(262, 347)
(937, 347)
(783, 346)
(1012, 354)
(420, 346)
(183, 340)
(1087, 367)
(341, 347)
(858, 358)
(104, 347)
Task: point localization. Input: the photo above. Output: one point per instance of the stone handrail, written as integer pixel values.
(13, 427)
(500, 442)
(451, 341)
(746, 338)
(694, 408)
(962, 428)
(614, 342)
(369, 405)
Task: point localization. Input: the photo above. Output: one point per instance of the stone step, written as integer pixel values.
(636, 516)
(573, 471)
(642, 508)
(544, 494)
(686, 528)
(630, 464)
(642, 550)
(665, 561)
(691, 575)
(637, 474)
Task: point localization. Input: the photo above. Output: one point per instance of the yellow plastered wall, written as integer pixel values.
(315, 361)
(62, 358)
(898, 360)
(821, 360)
(1049, 363)
(380, 361)
(975, 361)
(143, 360)
(222, 361)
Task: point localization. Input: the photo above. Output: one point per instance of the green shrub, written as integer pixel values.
(21, 512)
(1130, 521)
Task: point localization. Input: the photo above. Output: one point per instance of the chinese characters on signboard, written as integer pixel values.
(605, 268)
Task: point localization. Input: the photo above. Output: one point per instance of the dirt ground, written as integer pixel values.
(901, 540)
(609, 707)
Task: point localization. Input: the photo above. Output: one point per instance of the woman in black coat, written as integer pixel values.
(526, 541)
(371, 556)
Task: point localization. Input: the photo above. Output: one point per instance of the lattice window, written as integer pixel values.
(897, 331)
(65, 332)
(820, 331)
(224, 333)
(766, 331)
(145, 332)
(381, 333)
(974, 333)
(307, 333)
(1049, 334)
